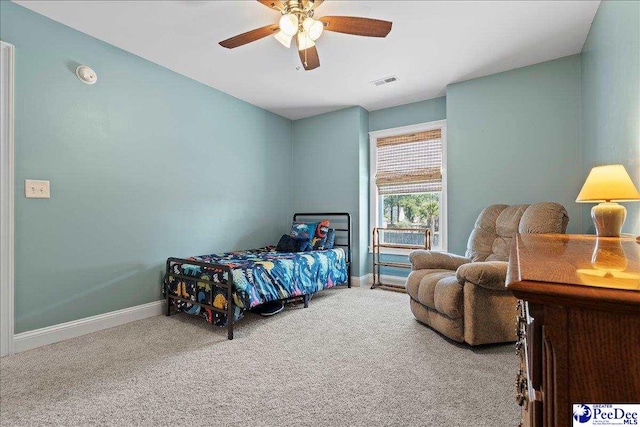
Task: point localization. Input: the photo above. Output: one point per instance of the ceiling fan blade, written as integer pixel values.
(273, 4)
(357, 26)
(309, 57)
(316, 4)
(249, 36)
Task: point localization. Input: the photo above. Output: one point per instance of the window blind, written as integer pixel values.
(409, 163)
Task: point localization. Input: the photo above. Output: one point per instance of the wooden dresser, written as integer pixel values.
(579, 324)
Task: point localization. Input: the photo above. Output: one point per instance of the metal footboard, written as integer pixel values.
(227, 283)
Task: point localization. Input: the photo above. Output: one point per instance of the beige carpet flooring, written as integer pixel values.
(355, 357)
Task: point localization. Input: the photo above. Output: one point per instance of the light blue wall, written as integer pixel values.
(145, 164)
(363, 192)
(408, 114)
(611, 97)
(513, 137)
(330, 145)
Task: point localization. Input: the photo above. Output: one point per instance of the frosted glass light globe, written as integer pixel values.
(313, 28)
(289, 24)
(304, 42)
(284, 39)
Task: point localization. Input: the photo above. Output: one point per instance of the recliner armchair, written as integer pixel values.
(465, 298)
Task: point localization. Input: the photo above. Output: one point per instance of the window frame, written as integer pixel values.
(373, 189)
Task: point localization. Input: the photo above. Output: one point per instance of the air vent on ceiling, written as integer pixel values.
(384, 81)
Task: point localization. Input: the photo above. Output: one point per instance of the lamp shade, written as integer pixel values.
(608, 183)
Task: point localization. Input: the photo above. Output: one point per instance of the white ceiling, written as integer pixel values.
(432, 44)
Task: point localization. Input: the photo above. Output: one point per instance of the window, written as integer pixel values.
(408, 183)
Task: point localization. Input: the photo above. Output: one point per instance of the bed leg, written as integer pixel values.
(306, 300)
(165, 283)
(230, 329)
(230, 321)
(230, 304)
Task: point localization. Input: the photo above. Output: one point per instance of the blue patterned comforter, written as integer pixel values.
(259, 276)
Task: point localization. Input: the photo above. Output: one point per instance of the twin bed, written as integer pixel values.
(221, 287)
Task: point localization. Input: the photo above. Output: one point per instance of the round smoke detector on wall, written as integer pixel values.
(86, 74)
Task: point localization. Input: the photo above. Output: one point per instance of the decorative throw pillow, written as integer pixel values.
(314, 232)
(303, 230)
(331, 239)
(320, 237)
(305, 246)
(290, 244)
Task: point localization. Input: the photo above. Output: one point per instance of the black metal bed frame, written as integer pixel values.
(227, 282)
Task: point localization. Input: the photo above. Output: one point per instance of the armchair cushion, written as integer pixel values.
(437, 289)
(542, 218)
(497, 225)
(421, 259)
(488, 274)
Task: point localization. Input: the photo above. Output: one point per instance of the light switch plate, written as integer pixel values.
(36, 189)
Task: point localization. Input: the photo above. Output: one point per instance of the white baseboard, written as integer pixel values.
(367, 280)
(360, 281)
(64, 331)
(391, 280)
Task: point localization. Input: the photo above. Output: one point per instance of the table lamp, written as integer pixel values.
(608, 184)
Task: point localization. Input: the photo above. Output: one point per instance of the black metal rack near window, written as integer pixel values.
(386, 243)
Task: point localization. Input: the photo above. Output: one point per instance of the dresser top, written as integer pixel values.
(585, 265)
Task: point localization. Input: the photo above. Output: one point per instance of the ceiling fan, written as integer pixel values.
(297, 21)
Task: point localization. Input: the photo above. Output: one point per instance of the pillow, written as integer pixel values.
(303, 230)
(319, 240)
(314, 232)
(305, 246)
(331, 239)
(291, 244)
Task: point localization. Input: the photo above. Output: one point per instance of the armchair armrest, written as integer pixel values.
(488, 274)
(421, 259)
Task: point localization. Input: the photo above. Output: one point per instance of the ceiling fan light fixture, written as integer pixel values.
(284, 39)
(304, 42)
(313, 28)
(296, 19)
(289, 24)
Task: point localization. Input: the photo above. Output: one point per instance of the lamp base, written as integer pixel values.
(608, 217)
